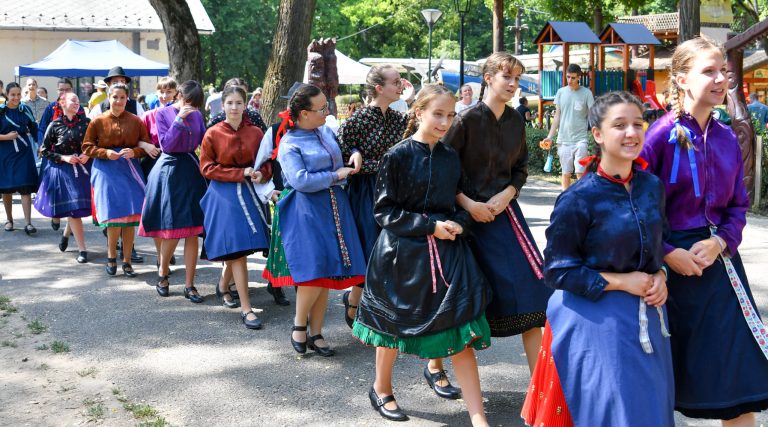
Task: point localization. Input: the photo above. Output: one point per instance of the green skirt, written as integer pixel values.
(475, 334)
(276, 268)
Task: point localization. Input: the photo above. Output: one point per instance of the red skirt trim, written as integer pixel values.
(322, 282)
(545, 404)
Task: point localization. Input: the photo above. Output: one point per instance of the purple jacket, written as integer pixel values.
(177, 137)
(722, 198)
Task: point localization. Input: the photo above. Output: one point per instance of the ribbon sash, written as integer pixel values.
(534, 259)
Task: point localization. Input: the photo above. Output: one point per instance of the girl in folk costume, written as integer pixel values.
(605, 359)
(112, 140)
(490, 140)
(234, 225)
(364, 138)
(424, 294)
(65, 188)
(175, 186)
(315, 244)
(18, 173)
(719, 344)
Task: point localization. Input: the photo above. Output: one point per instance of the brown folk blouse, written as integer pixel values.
(225, 152)
(109, 132)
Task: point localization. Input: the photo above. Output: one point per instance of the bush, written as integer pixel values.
(538, 157)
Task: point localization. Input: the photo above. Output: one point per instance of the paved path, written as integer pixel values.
(198, 365)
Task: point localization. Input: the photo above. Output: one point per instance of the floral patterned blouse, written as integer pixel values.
(64, 137)
(372, 133)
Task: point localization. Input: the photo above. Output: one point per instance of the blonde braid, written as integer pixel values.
(482, 90)
(677, 108)
(410, 129)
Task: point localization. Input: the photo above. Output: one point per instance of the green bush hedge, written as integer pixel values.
(538, 157)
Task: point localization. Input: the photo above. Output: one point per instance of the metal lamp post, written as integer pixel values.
(431, 16)
(462, 8)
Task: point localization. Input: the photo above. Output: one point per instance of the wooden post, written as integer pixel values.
(651, 53)
(625, 67)
(592, 73)
(758, 170)
(540, 117)
(566, 60)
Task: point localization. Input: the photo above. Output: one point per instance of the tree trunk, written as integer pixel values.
(689, 21)
(181, 38)
(498, 25)
(289, 54)
(597, 19)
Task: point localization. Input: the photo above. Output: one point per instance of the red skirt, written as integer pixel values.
(545, 402)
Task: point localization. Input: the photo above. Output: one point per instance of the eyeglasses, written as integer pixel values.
(323, 110)
(397, 83)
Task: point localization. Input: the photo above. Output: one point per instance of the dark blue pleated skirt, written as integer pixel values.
(232, 221)
(720, 372)
(361, 190)
(173, 193)
(517, 290)
(65, 191)
(18, 172)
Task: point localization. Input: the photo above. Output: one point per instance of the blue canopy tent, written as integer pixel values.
(80, 58)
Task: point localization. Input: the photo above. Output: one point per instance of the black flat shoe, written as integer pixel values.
(128, 270)
(173, 260)
(55, 226)
(278, 295)
(157, 264)
(300, 347)
(63, 243)
(194, 297)
(82, 258)
(447, 392)
(8, 225)
(138, 259)
(250, 324)
(345, 299)
(233, 292)
(323, 351)
(163, 291)
(111, 269)
(30, 229)
(228, 304)
(378, 405)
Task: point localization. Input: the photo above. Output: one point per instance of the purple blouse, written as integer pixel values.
(722, 197)
(179, 137)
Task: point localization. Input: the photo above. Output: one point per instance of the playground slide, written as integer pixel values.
(649, 95)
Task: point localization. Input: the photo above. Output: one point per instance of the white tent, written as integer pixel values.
(350, 71)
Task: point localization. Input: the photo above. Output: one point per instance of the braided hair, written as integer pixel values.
(496, 62)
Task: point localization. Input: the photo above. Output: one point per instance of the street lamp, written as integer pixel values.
(431, 16)
(462, 8)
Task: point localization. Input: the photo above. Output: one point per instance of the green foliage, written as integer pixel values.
(242, 42)
(59, 347)
(37, 327)
(536, 156)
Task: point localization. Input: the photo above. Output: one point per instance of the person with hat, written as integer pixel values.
(117, 75)
(99, 95)
(255, 101)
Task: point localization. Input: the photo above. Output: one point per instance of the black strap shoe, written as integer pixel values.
(190, 293)
(82, 258)
(128, 270)
(300, 347)
(163, 291)
(378, 406)
(278, 295)
(63, 243)
(446, 392)
(323, 351)
(138, 259)
(229, 304)
(55, 226)
(250, 324)
(345, 299)
(111, 266)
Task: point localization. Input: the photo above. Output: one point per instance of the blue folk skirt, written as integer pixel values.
(118, 188)
(310, 236)
(233, 222)
(361, 189)
(606, 376)
(174, 190)
(65, 191)
(511, 261)
(18, 172)
(720, 372)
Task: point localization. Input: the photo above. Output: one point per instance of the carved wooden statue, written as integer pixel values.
(322, 70)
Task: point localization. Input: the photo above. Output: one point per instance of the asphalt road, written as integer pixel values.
(198, 365)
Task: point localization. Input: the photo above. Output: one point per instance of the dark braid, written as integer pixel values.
(302, 100)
